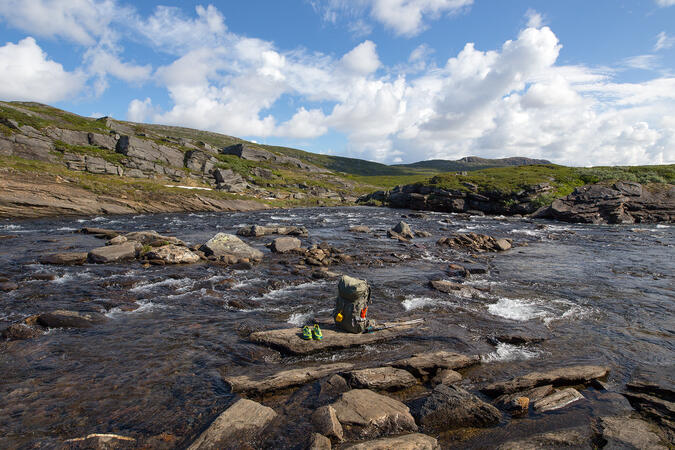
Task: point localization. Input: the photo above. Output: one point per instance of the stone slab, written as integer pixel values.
(284, 379)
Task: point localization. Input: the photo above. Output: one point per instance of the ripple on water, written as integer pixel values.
(509, 352)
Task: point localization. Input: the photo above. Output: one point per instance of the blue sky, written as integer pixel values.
(575, 82)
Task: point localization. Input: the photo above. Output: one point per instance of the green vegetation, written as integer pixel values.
(43, 115)
(108, 155)
(640, 174)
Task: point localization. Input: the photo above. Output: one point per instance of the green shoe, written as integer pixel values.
(316, 332)
(306, 333)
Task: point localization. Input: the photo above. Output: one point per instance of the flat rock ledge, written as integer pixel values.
(414, 441)
(450, 407)
(381, 378)
(235, 427)
(284, 379)
(564, 376)
(423, 365)
(289, 340)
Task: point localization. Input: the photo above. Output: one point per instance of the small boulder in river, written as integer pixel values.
(450, 407)
(235, 427)
(258, 230)
(476, 242)
(285, 244)
(114, 253)
(69, 319)
(365, 414)
(426, 364)
(558, 399)
(150, 237)
(173, 254)
(223, 245)
(64, 258)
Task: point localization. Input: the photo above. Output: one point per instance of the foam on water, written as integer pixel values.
(10, 227)
(182, 283)
(412, 302)
(280, 293)
(509, 352)
(299, 319)
(517, 309)
(526, 232)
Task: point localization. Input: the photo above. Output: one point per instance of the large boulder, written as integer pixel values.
(114, 253)
(173, 254)
(69, 319)
(326, 422)
(450, 407)
(414, 441)
(364, 414)
(403, 229)
(381, 378)
(223, 244)
(564, 376)
(285, 244)
(150, 151)
(235, 427)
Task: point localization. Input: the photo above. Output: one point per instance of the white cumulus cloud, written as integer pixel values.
(664, 3)
(28, 74)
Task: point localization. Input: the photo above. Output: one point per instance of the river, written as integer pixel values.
(596, 294)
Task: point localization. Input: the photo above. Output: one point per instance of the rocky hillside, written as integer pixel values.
(584, 195)
(154, 163)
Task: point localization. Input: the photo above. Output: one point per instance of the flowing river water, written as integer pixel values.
(597, 294)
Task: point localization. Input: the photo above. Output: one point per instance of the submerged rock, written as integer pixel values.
(258, 230)
(69, 319)
(152, 238)
(359, 229)
(8, 286)
(65, 258)
(235, 427)
(381, 378)
(512, 402)
(318, 442)
(651, 391)
(102, 441)
(173, 254)
(450, 407)
(19, 331)
(579, 437)
(447, 376)
(223, 244)
(364, 414)
(563, 376)
(414, 441)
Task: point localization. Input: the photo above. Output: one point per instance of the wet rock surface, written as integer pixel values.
(563, 376)
(414, 441)
(626, 432)
(114, 253)
(450, 407)
(223, 244)
(557, 400)
(284, 379)
(381, 378)
(173, 254)
(426, 364)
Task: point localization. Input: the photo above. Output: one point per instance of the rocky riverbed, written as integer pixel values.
(529, 334)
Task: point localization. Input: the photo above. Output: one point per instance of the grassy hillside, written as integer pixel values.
(471, 163)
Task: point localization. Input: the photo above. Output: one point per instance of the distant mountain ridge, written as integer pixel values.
(469, 163)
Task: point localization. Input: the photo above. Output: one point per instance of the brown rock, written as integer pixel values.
(558, 400)
(425, 364)
(365, 414)
(69, 319)
(450, 407)
(359, 229)
(569, 438)
(284, 379)
(563, 376)
(173, 254)
(235, 426)
(19, 331)
(114, 253)
(8, 286)
(318, 442)
(511, 402)
(285, 244)
(447, 376)
(626, 432)
(381, 378)
(326, 422)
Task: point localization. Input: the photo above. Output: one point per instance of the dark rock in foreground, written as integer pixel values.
(450, 407)
(69, 319)
(414, 441)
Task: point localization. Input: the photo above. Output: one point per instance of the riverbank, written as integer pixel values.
(160, 354)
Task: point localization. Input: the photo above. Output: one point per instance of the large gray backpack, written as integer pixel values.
(351, 305)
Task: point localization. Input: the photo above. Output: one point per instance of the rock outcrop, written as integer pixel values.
(450, 407)
(623, 202)
(476, 242)
(564, 376)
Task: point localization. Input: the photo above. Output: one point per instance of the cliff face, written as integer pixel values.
(622, 202)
